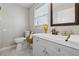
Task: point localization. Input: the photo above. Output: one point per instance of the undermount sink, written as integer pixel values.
(54, 37)
(74, 38)
(57, 37)
(71, 38)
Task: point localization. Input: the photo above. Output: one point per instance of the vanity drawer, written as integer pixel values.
(45, 43)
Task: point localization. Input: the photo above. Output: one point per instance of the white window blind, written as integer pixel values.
(41, 15)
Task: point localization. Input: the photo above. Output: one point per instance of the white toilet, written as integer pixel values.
(20, 40)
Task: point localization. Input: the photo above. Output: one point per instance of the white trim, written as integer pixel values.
(38, 6)
(9, 47)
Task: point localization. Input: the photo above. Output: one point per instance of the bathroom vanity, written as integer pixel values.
(55, 45)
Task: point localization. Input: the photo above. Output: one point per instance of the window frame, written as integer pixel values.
(36, 7)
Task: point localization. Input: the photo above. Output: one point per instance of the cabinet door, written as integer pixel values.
(51, 52)
(35, 47)
(41, 50)
(38, 50)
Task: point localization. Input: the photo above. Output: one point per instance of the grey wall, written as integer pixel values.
(13, 23)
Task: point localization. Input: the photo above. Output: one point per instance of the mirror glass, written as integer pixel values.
(63, 13)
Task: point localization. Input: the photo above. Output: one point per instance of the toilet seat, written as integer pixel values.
(19, 41)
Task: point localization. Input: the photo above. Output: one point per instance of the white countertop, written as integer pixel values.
(73, 41)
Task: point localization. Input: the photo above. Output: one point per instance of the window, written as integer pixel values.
(41, 15)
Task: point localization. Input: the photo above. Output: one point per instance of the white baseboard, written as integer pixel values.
(9, 47)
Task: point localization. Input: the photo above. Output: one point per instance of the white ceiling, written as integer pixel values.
(27, 5)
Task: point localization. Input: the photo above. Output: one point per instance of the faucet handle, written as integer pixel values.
(54, 31)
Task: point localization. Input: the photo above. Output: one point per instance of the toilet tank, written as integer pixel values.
(27, 33)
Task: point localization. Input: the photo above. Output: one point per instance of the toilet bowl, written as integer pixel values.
(19, 41)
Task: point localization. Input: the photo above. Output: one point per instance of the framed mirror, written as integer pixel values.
(64, 14)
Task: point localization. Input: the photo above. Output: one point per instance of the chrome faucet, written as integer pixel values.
(67, 38)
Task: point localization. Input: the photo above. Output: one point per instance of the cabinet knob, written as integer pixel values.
(46, 53)
(44, 50)
(37, 40)
(59, 50)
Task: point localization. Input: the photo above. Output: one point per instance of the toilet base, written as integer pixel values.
(19, 46)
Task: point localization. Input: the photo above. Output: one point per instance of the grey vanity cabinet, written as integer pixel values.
(42, 47)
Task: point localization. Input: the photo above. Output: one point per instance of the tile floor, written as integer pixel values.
(26, 51)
